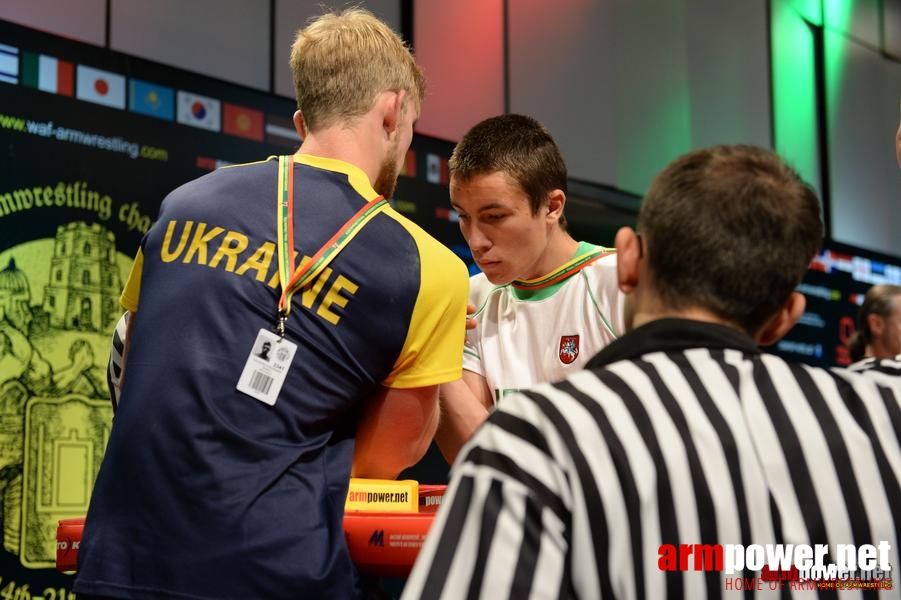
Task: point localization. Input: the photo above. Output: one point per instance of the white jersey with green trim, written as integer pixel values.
(541, 330)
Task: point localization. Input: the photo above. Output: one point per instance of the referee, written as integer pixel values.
(682, 434)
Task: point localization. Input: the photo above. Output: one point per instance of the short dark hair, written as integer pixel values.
(518, 146)
(731, 229)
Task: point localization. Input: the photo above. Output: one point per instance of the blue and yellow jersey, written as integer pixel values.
(389, 310)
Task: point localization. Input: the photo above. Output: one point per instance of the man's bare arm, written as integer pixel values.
(465, 404)
(395, 430)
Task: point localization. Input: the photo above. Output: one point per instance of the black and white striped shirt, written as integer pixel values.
(688, 435)
(885, 365)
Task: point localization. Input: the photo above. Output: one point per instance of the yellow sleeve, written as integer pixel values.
(132, 290)
(433, 351)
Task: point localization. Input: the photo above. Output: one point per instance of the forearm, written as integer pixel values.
(461, 414)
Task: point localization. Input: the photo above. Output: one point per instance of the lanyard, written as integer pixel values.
(292, 279)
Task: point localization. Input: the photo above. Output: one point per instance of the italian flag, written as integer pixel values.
(48, 74)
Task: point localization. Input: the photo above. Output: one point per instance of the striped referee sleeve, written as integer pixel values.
(572, 489)
(502, 527)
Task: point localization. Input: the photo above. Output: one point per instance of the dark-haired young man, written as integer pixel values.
(545, 303)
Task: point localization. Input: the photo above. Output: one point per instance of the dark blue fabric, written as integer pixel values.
(205, 492)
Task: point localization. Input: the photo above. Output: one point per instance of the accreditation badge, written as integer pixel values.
(266, 367)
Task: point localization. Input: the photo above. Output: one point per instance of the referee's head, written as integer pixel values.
(729, 230)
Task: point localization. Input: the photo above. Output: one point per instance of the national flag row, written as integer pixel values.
(57, 76)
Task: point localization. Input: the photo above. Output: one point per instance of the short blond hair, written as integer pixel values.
(342, 60)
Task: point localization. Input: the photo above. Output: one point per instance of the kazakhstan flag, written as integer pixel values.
(151, 99)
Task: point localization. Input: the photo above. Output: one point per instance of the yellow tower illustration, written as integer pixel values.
(84, 286)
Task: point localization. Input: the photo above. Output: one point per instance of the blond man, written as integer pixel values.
(226, 474)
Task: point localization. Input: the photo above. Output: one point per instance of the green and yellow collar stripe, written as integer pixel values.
(566, 270)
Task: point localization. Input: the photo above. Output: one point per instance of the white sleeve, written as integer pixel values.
(479, 289)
